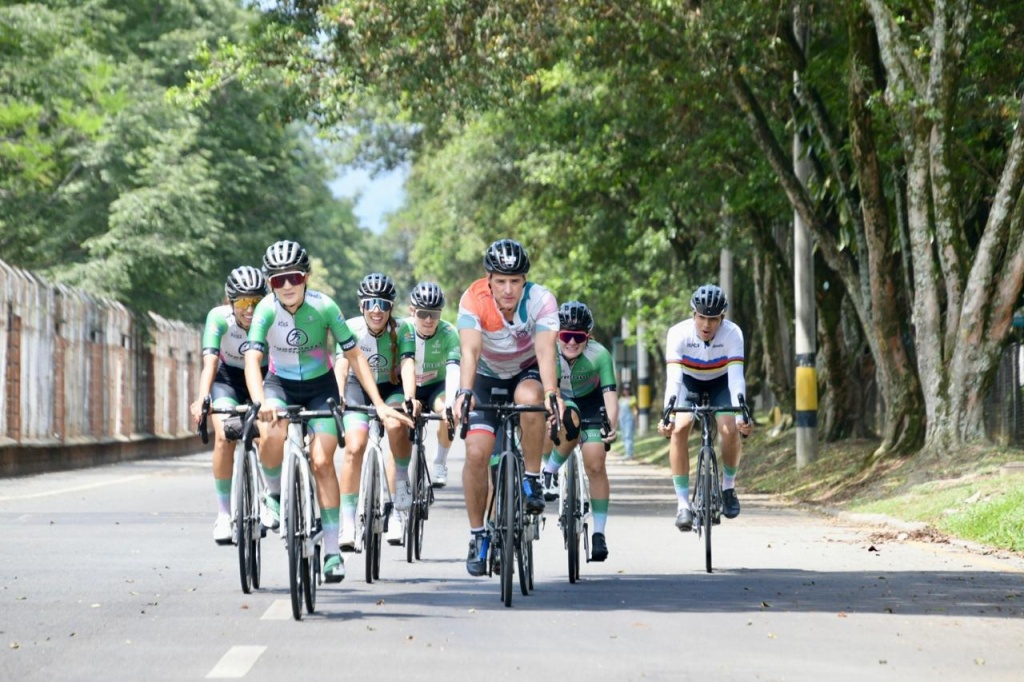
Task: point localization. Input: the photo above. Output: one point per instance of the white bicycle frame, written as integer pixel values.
(296, 450)
(372, 456)
(582, 493)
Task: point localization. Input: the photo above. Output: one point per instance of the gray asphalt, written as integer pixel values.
(111, 573)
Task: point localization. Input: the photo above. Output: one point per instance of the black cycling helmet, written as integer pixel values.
(427, 295)
(285, 256)
(506, 257)
(575, 316)
(377, 285)
(245, 281)
(709, 301)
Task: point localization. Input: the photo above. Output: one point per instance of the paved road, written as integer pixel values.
(110, 574)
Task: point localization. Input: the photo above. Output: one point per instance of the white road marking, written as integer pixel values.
(238, 661)
(281, 609)
(73, 489)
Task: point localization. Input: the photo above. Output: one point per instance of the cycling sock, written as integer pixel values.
(273, 476)
(682, 486)
(555, 461)
(223, 487)
(349, 502)
(402, 468)
(600, 509)
(728, 477)
(442, 455)
(329, 519)
(477, 531)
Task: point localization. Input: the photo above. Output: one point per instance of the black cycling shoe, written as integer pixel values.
(730, 504)
(476, 560)
(534, 494)
(598, 548)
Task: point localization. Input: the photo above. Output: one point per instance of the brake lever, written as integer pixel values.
(201, 427)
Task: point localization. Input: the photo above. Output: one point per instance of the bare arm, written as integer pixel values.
(361, 367)
(210, 364)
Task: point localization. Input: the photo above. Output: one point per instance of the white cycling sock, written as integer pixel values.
(442, 455)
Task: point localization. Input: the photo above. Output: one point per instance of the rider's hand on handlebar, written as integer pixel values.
(744, 426)
(268, 413)
(384, 411)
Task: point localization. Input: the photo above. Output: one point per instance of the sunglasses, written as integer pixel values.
(381, 304)
(573, 337)
(294, 278)
(246, 302)
(428, 314)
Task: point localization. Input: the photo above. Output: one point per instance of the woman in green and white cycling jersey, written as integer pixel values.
(437, 364)
(223, 377)
(389, 344)
(291, 328)
(588, 384)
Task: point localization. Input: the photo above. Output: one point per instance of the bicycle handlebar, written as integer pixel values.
(699, 409)
(509, 407)
(202, 428)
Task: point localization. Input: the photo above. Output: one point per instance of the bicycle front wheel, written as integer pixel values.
(241, 494)
(417, 511)
(522, 534)
(506, 521)
(294, 539)
(707, 483)
(572, 517)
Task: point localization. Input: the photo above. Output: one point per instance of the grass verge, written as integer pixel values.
(977, 496)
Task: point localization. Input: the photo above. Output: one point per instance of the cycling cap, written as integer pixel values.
(284, 256)
(427, 295)
(507, 257)
(245, 281)
(575, 316)
(709, 301)
(376, 285)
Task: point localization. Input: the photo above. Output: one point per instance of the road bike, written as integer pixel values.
(247, 486)
(375, 503)
(706, 498)
(574, 514)
(419, 481)
(300, 510)
(510, 529)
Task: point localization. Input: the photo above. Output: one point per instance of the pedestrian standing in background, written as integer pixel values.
(627, 419)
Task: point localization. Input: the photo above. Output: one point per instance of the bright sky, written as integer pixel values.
(377, 196)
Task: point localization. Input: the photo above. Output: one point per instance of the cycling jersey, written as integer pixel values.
(378, 351)
(225, 338)
(687, 354)
(297, 345)
(507, 345)
(593, 369)
(433, 355)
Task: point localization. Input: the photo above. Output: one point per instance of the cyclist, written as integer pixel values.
(588, 384)
(507, 328)
(705, 355)
(437, 363)
(223, 378)
(291, 329)
(390, 345)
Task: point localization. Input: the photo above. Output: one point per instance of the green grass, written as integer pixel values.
(968, 497)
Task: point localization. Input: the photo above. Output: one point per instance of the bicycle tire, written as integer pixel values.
(707, 494)
(371, 488)
(414, 525)
(506, 521)
(241, 494)
(310, 563)
(521, 534)
(572, 517)
(294, 540)
(255, 522)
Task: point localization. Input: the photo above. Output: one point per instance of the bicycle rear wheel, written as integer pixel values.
(524, 547)
(506, 523)
(294, 539)
(572, 517)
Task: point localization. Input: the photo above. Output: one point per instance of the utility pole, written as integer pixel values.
(803, 274)
(643, 379)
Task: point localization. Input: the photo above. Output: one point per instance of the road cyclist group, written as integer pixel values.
(277, 347)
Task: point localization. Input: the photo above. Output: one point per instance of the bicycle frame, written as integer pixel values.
(706, 497)
(296, 463)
